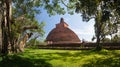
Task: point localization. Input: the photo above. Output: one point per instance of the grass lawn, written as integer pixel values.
(63, 58)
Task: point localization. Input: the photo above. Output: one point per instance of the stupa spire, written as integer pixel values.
(61, 20)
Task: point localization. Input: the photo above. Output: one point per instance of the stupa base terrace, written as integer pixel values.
(80, 46)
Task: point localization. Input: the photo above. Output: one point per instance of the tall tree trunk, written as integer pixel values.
(98, 31)
(6, 27)
(0, 36)
(98, 46)
(98, 34)
(1, 20)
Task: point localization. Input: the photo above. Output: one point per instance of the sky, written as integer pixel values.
(84, 30)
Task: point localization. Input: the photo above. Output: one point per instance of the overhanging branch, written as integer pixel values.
(30, 27)
(65, 4)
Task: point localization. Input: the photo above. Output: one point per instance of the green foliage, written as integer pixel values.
(26, 7)
(24, 12)
(105, 13)
(88, 8)
(116, 39)
(106, 40)
(53, 7)
(39, 30)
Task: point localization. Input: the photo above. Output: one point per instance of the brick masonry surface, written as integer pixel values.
(62, 34)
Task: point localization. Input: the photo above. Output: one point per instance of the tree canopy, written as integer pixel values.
(17, 18)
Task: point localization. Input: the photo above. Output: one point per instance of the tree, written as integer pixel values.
(5, 24)
(105, 13)
(18, 20)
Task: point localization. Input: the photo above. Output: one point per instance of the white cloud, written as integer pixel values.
(83, 31)
(86, 30)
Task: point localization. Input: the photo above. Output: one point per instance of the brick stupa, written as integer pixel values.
(62, 34)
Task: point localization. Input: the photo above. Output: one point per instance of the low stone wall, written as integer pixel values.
(80, 46)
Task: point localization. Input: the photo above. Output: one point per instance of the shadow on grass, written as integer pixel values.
(99, 62)
(34, 59)
(16, 61)
(65, 56)
(113, 59)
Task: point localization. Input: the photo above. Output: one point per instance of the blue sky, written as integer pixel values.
(84, 30)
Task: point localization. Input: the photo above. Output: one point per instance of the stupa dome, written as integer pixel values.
(62, 34)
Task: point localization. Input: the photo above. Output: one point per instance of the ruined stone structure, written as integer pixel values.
(62, 34)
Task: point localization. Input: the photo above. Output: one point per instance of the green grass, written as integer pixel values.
(63, 58)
